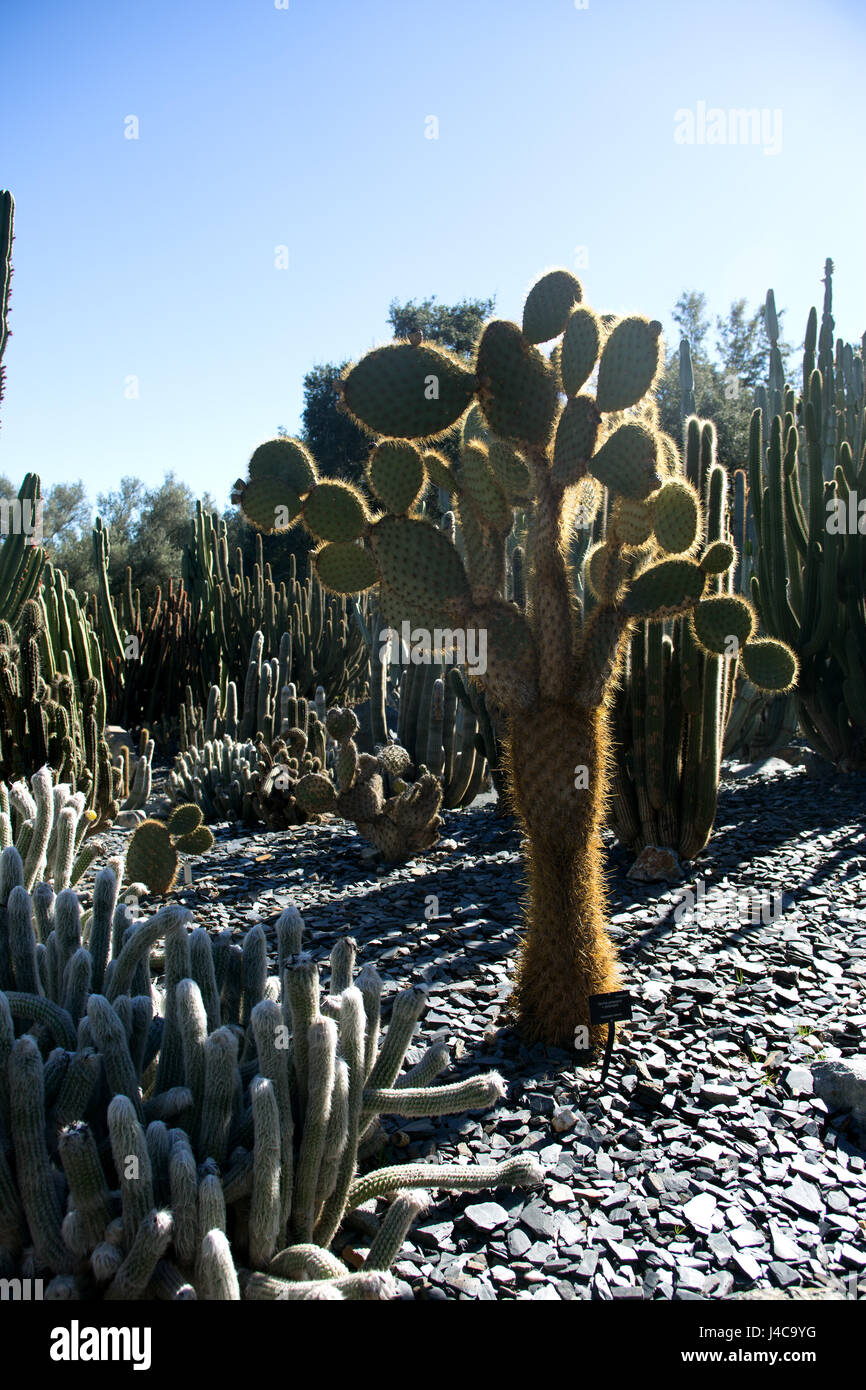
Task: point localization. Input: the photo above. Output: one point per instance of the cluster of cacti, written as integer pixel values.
(137, 779)
(48, 720)
(209, 1150)
(154, 846)
(548, 668)
(149, 660)
(807, 488)
(47, 824)
(255, 779)
(400, 818)
(319, 640)
(438, 727)
(671, 711)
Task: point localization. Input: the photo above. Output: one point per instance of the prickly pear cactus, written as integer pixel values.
(154, 846)
(547, 667)
(400, 825)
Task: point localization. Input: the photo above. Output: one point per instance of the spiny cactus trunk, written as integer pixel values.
(566, 954)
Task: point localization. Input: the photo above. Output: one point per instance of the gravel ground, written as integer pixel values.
(703, 1167)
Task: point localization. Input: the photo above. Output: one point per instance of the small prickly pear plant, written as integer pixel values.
(154, 846)
(533, 437)
(400, 825)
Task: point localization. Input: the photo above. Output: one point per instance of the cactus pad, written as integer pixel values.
(316, 794)
(718, 558)
(151, 857)
(263, 502)
(512, 472)
(335, 511)
(439, 471)
(549, 304)
(418, 562)
(184, 819)
(475, 426)
(629, 362)
(676, 515)
(408, 392)
(516, 386)
(196, 842)
(769, 664)
(575, 439)
(478, 480)
(395, 474)
(345, 568)
(341, 723)
(579, 351)
(632, 521)
(606, 571)
(286, 460)
(664, 590)
(721, 617)
(626, 461)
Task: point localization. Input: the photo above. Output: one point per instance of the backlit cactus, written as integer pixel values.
(547, 667)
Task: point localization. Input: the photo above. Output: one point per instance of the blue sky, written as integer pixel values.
(304, 128)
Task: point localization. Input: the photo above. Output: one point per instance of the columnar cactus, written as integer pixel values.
(547, 668)
(807, 487)
(192, 1155)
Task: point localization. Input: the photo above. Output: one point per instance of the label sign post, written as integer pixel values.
(611, 1009)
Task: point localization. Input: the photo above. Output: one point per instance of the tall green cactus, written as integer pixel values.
(807, 471)
(325, 646)
(548, 668)
(671, 710)
(7, 225)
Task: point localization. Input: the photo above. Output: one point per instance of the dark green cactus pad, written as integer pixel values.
(664, 590)
(345, 568)
(396, 475)
(341, 723)
(769, 664)
(719, 618)
(270, 504)
(419, 564)
(439, 471)
(718, 558)
(184, 819)
(575, 439)
(629, 362)
(607, 569)
(632, 521)
(316, 794)
(196, 842)
(478, 481)
(335, 511)
(579, 351)
(626, 461)
(512, 472)
(516, 385)
(676, 512)
(475, 427)
(548, 305)
(151, 857)
(408, 392)
(287, 460)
